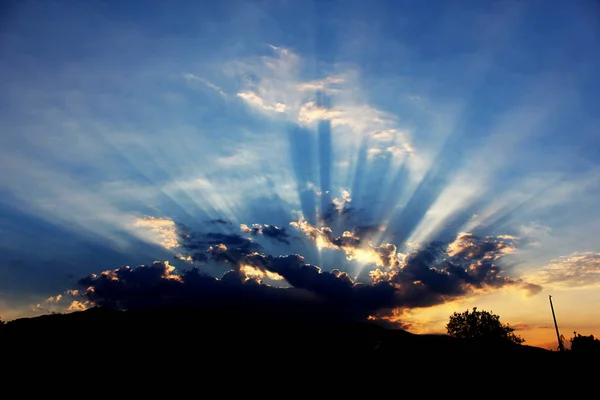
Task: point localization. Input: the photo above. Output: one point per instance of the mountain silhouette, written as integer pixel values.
(290, 348)
(242, 335)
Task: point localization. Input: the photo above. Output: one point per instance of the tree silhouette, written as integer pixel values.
(582, 343)
(480, 324)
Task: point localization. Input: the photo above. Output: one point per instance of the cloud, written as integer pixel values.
(427, 276)
(54, 299)
(328, 83)
(194, 78)
(577, 270)
(143, 286)
(275, 84)
(240, 158)
(220, 221)
(220, 247)
(534, 233)
(380, 127)
(71, 300)
(343, 201)
(200, 247)
(311, 112)
(355, 245)
(159, 285)
(271, 231)
(255, 100)
(255, 273)
(77, 306)
(394, 318)
(164, 229)
(430, 274)
(335, 286)
(233, 255)
(421, 280)
(530, 289)
(468, 246)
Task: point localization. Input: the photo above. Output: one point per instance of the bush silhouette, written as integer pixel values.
(480, 325)
(582, 343)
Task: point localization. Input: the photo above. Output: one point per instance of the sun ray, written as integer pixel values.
(356, 157)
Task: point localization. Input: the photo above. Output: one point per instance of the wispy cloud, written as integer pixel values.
(578, 270)
(256, 101)
(277, 85)
(328, 84)
(194, 78)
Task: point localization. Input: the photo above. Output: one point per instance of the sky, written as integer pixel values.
(395, 161)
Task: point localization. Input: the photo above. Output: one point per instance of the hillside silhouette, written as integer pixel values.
(185, 349)
(210, 333)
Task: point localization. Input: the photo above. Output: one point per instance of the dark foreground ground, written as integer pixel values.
(163, 344)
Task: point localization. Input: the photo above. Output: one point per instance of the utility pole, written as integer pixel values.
(561, 346)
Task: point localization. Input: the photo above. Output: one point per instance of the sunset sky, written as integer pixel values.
(407, 159)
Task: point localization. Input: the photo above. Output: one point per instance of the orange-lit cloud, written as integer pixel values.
(577, 270)
(467, 245)
(164, 230)
(252, 272)
(353, 246)
(78, 306)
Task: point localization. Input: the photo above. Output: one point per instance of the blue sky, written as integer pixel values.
(421, 120)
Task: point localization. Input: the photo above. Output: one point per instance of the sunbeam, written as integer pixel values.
(388, 162)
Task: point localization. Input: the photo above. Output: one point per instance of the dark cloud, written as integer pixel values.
(439, 272)
(431, 274)
(232, 240)
(325, 236)
(387, 254)
(366, 232)
(531, 289)
(229, 248)
(220, 221)
(427, 276)
(159, 285)
(234, 256)
(422, 279)
(196, 257)
(334, 213)
(426, 283)
(271, 231)
(468, 246)
(335, 286)
(225, 246)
